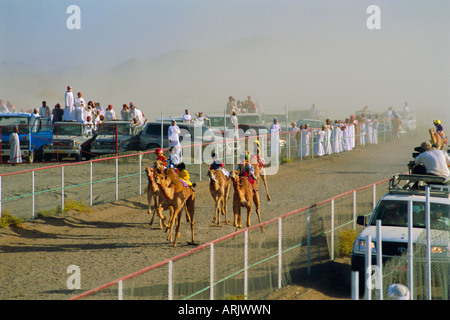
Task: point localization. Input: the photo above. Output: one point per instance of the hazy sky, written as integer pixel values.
(34, 33)
(114, 30)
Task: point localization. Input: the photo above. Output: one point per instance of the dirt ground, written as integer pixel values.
(116, 239)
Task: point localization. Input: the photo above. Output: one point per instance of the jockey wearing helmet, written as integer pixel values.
(160, 156)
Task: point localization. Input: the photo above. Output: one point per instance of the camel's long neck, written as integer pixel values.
(152, 184)
(214, 184)
(167, 192)
(237, 188)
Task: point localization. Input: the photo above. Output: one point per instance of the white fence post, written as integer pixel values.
(170, 284)
(140, 173)
(308, 240)
(355, 285)
(90, 185)
(354, 209)
(427, 226)
(246, 264)
(120, 290)
(117, 178)
(211, 271)
(368, 264)
(332, 231)
(374, 196)
(280, 250)
(32, 195)
(410, 251)
(62, 188)
(0, 196)
(379, 261)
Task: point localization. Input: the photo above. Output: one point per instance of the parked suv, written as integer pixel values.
(68, 137)
(114, 137)
(392, 209)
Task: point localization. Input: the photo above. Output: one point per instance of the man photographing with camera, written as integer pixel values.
(436, 162)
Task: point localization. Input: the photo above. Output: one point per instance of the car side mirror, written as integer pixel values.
(361, 220)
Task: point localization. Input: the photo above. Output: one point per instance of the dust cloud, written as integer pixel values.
(339, 76)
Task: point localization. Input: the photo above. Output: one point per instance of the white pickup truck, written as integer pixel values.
(406, 190)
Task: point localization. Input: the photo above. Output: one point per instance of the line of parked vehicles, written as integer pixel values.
(41, 141)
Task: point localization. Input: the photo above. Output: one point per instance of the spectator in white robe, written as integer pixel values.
(34, 122)
(125, 113)
(15, 154)
(80, 107)
(294, 134)
(99, 108)
(345, 137)
(3, 106)
(362, 131)
(186, 116)
(328, 137)
(275, 130)
(305, 135)
(376, 123)
(69, 109)
(45, 114)
(336, 137)
(341, 135)
(89, 125)
(369, 127)
(353, 124)
(320, 138)
(200, 118)
(233, 127)
(231, 105)
(136, 113)
(174, 138)
(110, 114)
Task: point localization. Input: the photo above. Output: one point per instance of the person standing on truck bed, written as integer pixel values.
(57, 113)
(15, 155)
(69, 109)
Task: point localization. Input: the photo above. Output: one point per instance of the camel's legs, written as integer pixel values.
(225, 202)
(155, 209)
(257, 202)
(177, 231)
(263, 178)
(173, 217)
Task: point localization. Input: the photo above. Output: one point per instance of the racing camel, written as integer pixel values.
(153, 193)
(436, 139)
(219, 186)
(178, 197)
(245, 195)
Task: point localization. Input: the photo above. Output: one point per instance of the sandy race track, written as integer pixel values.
(116, 239)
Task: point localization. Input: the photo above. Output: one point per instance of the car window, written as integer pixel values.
(155, 129)
(395, 213)
(249, 118)
(68, 129)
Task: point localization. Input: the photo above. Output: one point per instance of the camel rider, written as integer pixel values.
(184, 176)
(246, 169)
(160, 156)
(259, 159)
(218, 165)
(440, 131)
